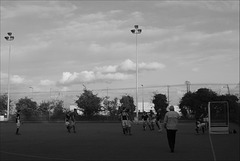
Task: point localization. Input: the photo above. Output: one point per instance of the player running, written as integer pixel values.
(126, 125)
(18, 122)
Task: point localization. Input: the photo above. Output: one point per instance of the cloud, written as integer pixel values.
(40, 9)
(123, 71)
(196, 69)
(220, 6)
(151, 66)
(47, 82)
(127, 66)
(106, 69)
(16, 79)
(130, 66)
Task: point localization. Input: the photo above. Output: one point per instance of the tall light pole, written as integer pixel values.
(9, 38)
(168, 95)
(136, 31)
(142, 100)
(188, 86)
(32, 91)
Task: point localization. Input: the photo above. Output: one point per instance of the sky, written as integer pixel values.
(66, 45)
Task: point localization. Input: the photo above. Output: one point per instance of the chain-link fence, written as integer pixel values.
(174, 93)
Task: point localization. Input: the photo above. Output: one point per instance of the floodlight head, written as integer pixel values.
(11, 37)
(9, 33)
(6, 37)
(139, 30)
(136, 26)
(133, 31)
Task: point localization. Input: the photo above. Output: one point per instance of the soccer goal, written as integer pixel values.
(218, 116)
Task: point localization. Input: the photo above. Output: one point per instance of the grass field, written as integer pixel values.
(105, 141)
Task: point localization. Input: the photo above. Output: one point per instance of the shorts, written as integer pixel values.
(201, 125)
(72, 123)
(67, 123)
(18, 124)
(126, 123)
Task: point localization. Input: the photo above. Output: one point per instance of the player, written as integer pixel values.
(200, 125)
(72, 120)
(145, 120)
(18, 122)
(151, 120)
(158, 120)
(67, 121)
(126, 125)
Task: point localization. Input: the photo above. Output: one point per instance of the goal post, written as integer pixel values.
(218, 116)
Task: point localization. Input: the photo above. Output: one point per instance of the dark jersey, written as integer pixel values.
(145, 117)
(67, 117)
(72, 116)
(124, 116)
(158, 116)
(151, 116)
(17, 117)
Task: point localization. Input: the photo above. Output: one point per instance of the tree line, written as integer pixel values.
(192, 104)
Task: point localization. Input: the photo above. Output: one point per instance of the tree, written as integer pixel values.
(46, 107)
(232, 101)
(160, 102)
(89, 103)
(29, 108)
(111, 106)
(197, 102)
(58, 110)
(3, 104)
(233, 106)
(127, 102)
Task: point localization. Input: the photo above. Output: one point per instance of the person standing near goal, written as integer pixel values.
(18, 122)
(170, 123)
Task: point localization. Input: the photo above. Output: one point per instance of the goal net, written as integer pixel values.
(218, 113)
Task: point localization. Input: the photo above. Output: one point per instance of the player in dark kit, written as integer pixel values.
(200, 126)
(158, 120)
(67, 121)
(145, 120)
(151, 120)
(18, 122)
(126, 125)
(72, 119)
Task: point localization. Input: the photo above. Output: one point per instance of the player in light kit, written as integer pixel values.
(125, 119)
(18, 122)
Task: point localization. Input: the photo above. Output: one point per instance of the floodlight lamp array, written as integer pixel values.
(9, 37)
(136, 30)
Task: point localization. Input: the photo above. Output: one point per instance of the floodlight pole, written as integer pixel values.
(142, 100)
(136, 31)
(9, 38)
(32, 91)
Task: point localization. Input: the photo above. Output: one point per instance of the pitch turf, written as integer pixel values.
(105, 141)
